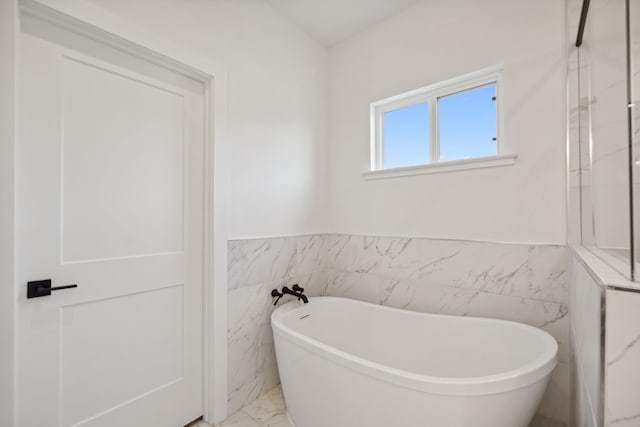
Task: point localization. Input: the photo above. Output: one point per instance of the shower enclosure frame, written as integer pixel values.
(629, 270)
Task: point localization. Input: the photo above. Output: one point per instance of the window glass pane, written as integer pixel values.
(406, 136)
(467, 124)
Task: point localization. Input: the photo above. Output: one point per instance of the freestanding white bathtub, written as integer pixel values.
(345, 363)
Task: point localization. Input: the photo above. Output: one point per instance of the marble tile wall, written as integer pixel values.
(525, 283)
(604, 51)
(622, 367)
(580, 207)
(597, 131)
(255, 267)
(585, 306)
(580, 216)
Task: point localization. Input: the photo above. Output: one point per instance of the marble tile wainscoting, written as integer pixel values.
(622, 367)
(605, 335)
(255, 266)
(524, 283)
(585, 305)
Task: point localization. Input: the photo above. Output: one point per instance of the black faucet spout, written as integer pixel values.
(297, 294)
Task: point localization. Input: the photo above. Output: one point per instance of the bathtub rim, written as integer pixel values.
(536, 370)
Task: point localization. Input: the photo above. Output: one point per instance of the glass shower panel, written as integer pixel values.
(603, 78)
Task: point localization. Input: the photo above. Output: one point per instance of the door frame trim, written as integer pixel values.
(8, 77)
(98, 24)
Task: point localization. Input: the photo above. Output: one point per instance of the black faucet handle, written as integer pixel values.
(276, 294)
(297, 288)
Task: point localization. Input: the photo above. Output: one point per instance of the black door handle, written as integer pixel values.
(42, 288)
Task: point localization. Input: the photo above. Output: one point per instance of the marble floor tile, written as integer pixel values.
(267, 411)
(268, 407)
(240, 419)
(541, 421)
(281, 420)
(270, 411)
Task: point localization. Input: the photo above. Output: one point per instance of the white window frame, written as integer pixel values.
(431, 94)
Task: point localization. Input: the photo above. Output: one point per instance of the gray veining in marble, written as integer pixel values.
(260, 260)
(255, 268)
(536, 272)
(525, 283)
(622, 349)
(585, 306)
(267, 411)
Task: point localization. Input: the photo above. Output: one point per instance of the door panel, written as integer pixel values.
(110, 188)
(143, 364)
(123, 185)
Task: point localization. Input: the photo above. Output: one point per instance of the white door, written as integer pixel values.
(110, 190)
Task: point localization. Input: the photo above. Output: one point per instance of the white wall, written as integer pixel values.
(7, 138)
(278, 99)
(433, 41)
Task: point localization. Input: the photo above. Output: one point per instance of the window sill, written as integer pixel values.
(440, 167)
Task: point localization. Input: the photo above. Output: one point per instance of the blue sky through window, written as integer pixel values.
(406, 136)
(467, 124)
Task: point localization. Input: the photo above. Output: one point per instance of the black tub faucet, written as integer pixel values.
(296, 292)
(277, 295)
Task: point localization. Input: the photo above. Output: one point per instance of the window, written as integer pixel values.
(453, 122)
(468, 124)
(406, 136)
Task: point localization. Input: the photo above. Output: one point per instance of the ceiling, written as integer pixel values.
(331, 21)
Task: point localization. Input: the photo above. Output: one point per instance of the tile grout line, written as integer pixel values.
(249, 415)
